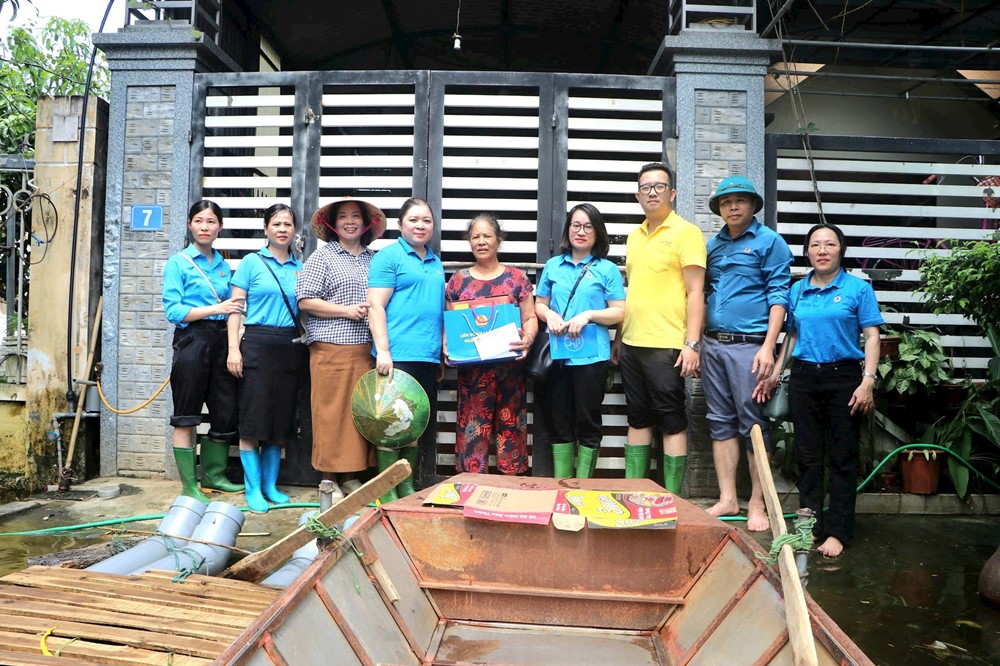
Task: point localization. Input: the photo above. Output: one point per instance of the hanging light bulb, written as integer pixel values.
(457, 38)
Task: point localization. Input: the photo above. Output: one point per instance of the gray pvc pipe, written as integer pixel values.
(300, 560)
(220, 525)
(181, 519)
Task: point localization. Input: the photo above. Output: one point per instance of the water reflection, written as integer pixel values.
(906, 592)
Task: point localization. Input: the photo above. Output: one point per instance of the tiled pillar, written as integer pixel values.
(720, 132)
(149, 163)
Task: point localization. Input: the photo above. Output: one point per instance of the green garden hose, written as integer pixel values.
(137, 519)
(886, 460)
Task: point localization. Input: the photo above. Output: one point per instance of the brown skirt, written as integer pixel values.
(337, 445)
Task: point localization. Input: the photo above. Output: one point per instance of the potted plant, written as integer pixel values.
(921, 471)
(966, 281)
(920, 364)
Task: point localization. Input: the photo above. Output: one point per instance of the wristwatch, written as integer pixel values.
(873, 375)
(694, 344)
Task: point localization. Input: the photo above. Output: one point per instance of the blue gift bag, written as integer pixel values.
(563, 347)
(468, 320)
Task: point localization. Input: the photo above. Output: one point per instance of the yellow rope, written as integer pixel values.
(104, 400)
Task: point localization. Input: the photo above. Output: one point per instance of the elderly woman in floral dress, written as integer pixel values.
(492, 401)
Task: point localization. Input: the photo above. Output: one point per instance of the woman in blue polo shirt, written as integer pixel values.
(268, 359)
(575, 387)
(197, 301)
(405, 314)
(832, 381)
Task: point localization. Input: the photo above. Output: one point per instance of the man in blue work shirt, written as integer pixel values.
(746, 288)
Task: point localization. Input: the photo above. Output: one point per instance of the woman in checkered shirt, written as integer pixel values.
(333, 290)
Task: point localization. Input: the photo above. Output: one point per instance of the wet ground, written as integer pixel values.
(905, 592)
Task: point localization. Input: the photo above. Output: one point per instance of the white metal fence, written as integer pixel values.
(525, 148)
(897, 201)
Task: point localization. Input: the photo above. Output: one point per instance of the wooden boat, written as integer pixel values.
(428, 586)
(422, 584)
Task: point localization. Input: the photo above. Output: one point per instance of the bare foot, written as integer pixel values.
(721, 508)
(832, 547)
(757, 518)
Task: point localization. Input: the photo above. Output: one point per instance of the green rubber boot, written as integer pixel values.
(562, 460)
(637, 460)
(405, 487)
(189, 478)
(673, 472)
(214, 458)
(586, 462)
(385, 459)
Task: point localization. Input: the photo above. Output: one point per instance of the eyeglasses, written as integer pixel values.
(659, 188)
(587, 228)
(824, 246)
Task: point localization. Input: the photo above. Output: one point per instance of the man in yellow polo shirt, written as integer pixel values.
(660, 340)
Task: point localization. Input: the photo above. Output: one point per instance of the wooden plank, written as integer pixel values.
(150, 640)
(246, 591)
(99, 653)
(52, 611)
(159, 590)
(256, 566)
(796, 613)
(12, 658)
(84, 602)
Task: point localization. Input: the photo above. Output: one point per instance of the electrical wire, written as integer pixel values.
(70, 392)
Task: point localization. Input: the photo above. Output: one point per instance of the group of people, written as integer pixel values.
(714, 310)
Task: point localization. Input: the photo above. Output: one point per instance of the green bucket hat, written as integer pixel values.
(735, 185)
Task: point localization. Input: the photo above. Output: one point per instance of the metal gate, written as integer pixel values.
(526, 146)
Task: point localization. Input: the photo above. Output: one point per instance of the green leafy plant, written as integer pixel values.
(920, 364)
(965, 281)
(976, 417)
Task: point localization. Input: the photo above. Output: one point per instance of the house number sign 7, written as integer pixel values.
(147, 218)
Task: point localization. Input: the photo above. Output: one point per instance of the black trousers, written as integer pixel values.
(575, 394)
(825, 428)
(426, 375)
(199, 376)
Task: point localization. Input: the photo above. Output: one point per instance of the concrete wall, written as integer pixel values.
(857, 115)
(56, 166)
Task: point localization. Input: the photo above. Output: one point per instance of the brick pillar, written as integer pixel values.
(720, 132)
(149, 163)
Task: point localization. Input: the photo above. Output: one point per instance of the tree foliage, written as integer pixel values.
(36, 61)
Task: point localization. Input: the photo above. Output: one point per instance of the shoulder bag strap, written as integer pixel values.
(198, 268)
(578, 281)
(791, 292)
(284, 296)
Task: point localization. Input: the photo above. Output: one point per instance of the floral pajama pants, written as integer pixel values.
(492, 406)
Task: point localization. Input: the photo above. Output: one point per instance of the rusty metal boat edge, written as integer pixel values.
(437, 588)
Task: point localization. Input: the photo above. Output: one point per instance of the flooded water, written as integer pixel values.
(906, 591)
